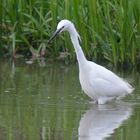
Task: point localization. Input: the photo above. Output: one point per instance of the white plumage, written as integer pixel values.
(96, 81)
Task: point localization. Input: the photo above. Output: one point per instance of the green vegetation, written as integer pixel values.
(110, 30)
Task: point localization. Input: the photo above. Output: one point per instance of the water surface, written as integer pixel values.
(43, 101)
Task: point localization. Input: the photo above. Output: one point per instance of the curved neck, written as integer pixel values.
(79, 52)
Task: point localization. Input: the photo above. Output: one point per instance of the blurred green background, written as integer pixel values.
(110, 30)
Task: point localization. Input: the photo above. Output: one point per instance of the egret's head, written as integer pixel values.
(63, 25)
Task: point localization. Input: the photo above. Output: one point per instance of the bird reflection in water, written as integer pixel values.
(100, 121)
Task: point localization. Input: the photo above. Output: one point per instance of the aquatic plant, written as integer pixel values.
(110, 30)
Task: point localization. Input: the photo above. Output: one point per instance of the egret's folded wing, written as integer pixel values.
(106, 87)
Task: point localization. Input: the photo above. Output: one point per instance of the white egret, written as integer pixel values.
(96, 81)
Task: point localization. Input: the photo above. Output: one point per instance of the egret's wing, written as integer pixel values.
(106, 83)
(103, 87)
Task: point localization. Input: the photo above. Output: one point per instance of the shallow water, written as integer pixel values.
(43, 101)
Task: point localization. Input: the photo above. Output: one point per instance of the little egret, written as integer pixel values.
(96, 81)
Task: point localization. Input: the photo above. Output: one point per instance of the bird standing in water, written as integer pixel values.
(99, 83)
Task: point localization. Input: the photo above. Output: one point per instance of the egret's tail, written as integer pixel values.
(130, 88)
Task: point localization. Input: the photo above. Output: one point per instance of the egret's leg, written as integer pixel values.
(103, 100)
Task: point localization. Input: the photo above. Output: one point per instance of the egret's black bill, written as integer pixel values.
(54, 35)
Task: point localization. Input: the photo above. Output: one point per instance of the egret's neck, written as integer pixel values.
(79, 52)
